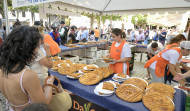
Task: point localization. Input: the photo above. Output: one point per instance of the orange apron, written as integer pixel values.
(116, 54)
(54, 47)
(161, 62)
(171, 45)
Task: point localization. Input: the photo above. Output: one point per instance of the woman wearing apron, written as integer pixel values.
(120, 51)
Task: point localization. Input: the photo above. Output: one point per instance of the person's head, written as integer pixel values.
(118, 34)
(19, 49)
(96, 28)
(147, 28)
(62, 23)
(41, 30)
(177, 39)
(54, 29)
(140, 31)
(38, 23)
(185, 47)
(17, 23)
(37, 107)
(154, 46)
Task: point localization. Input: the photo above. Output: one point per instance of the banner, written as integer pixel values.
(21, 3)
(81, 104)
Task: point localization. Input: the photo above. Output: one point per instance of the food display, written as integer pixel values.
(89, 79)
(129, 93)
(120, 77)
(71, 45)
(106, 88)
(107, 59)
(132, 89)
(139, 82)
(106, 71)
(161, 95)
(74, 75)
(56, 58)
(158, 102)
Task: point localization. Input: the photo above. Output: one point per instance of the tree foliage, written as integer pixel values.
(139, 20)
(33, 9)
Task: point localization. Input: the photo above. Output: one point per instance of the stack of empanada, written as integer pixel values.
(89, 79)
(132, 89)
(161, 95)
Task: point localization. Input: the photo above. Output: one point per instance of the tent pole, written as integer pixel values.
(6, 17)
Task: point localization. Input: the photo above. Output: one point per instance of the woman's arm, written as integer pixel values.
(184, 66)
(47, 61)
(34, 90)
(178, 69)
(127, 59)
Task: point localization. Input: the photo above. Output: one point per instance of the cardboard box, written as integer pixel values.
(74, 59)
(91, 49)
(105, 53)
(90, 54)
(98, 54)
(90, 60)
(82, 61)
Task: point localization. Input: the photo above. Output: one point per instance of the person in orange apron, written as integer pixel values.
(186, 75)
(120, 51)
(175, 41)
(171, 57)
(54, 47)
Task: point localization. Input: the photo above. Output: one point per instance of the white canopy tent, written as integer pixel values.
(109, 7)
(112, 6)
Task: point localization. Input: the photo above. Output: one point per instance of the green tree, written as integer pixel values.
(32, 9)
(139, 20)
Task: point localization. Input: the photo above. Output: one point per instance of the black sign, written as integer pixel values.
(81, 104)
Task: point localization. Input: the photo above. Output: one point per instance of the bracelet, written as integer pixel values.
(49, 56)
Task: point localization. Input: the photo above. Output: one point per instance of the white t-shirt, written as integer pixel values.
(160, 48)
(170, 55)
(140, 37)
(41, 70)
(126, 52)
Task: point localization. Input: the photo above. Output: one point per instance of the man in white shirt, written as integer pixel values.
(153, 49)
(63, 33)
(79, 34)
(140, 38)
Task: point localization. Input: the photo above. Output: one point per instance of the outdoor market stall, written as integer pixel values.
(112, 102)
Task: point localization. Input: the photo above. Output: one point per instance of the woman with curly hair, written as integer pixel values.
(19, 85)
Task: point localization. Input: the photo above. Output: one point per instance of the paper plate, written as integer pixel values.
(118, 80)
(70, 77)
(97, 93)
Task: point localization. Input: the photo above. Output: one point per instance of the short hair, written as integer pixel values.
(37, 107)
(62, 22)
(154, 45)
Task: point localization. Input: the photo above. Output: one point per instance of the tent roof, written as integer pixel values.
(114, 6)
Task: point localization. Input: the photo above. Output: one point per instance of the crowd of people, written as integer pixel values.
(27, 53)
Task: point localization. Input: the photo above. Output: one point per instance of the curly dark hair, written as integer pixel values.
(18, 49)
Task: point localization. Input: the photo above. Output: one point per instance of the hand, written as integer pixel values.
(60, 88)
(109, 55)
(50, 80)
(46, 46)
(179, 77)
(115, 61)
